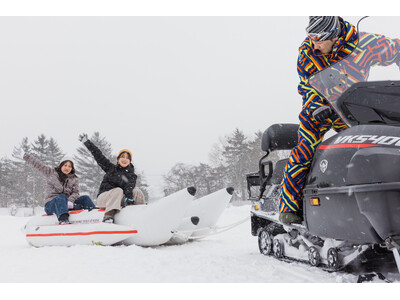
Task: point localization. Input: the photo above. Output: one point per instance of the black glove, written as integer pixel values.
(128, 201)
(77, 206)
(83, 137)
(322, 113)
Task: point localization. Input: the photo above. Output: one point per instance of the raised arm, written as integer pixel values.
(379, 50)
(101, 160)
(37, 164)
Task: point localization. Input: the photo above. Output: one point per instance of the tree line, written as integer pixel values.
(230, 160)
(23, 186)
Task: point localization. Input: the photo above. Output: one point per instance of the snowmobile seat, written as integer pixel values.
(278, 171)
(280, 137)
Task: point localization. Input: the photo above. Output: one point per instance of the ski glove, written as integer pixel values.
(83, 137)
(77, 206)
(129, 201)
(322, 113)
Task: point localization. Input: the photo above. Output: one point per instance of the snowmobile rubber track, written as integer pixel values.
(364, 272)
(343, 270)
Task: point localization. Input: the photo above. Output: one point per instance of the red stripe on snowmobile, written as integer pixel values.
(82, 233)
(347, 146)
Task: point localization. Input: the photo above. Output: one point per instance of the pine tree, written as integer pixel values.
(23, 177)
(53, 153)
(5, 183)
(141, 183)
(255, 152)
(40, 149)
(236, 155)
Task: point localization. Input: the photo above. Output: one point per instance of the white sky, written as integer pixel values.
(165, 87)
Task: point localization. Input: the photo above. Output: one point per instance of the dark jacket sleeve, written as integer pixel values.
(130, 185)
(101, 160)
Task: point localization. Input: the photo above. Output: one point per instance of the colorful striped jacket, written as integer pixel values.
(376, 50)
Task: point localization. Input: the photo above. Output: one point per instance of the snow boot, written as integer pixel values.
(109, 216)
(64, 219)
(290, 218)
(108, 219)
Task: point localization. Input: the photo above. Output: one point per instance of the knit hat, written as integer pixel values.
(123, 151)
(323, 28)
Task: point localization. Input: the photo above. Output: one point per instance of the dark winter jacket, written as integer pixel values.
(54, 185)
(116, 176)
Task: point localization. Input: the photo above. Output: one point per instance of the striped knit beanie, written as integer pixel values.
(323, 28)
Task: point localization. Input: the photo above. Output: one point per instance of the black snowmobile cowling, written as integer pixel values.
(355, 175)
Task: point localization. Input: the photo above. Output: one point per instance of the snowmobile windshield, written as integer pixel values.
(375, 58)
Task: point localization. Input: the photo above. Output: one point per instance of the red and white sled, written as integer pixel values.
(174, 219)
(99, 233)
(144, 225)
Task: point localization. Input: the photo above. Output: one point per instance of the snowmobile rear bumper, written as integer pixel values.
(379, 203)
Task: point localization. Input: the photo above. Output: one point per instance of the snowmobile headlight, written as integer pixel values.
(256, 207)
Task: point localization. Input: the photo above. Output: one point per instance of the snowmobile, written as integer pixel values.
(173, 219)
(351, 199)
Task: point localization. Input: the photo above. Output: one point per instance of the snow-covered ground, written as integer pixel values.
(228, 257)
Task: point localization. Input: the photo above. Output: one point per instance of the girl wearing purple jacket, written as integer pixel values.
(62, 189)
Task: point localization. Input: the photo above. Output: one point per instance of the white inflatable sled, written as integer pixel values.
(77, 234)
(144, 225)
(202, 216)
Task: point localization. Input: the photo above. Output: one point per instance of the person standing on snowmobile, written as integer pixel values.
(62, 189)
(118, 186)
(330, 39)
